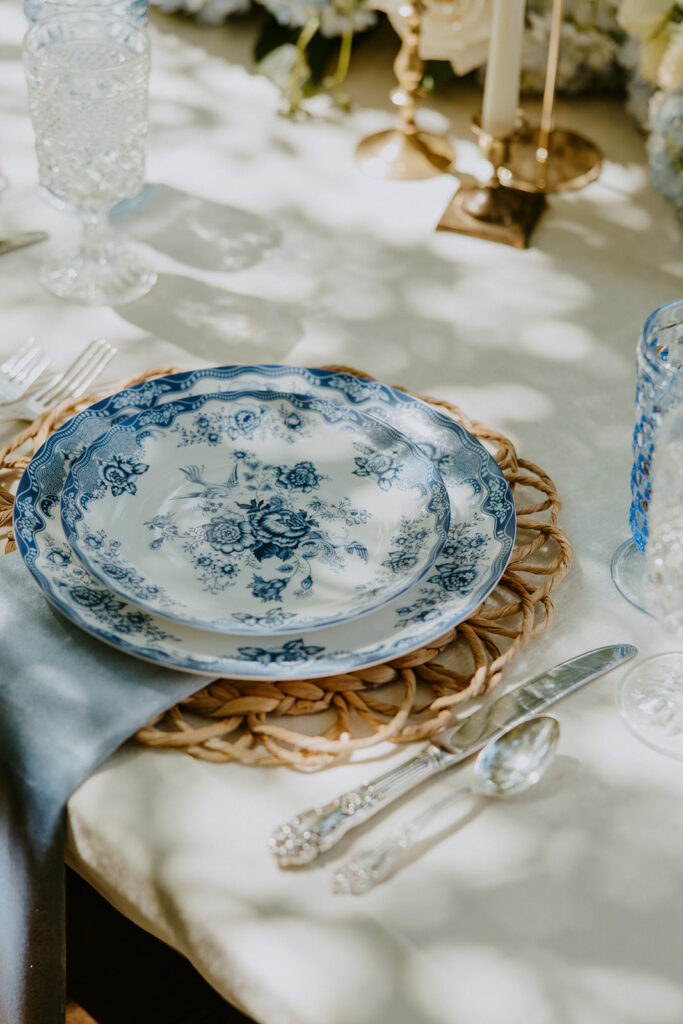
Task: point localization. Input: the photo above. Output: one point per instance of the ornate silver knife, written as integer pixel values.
(309, 834)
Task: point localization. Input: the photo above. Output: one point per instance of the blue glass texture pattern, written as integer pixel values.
(659, 387)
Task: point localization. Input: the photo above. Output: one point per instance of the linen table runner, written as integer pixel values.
(67, 702)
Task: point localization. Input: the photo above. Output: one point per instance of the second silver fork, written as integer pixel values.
(21, 370)
(71, 383)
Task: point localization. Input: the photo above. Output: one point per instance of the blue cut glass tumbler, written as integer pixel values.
(650, 697)
(659, 388)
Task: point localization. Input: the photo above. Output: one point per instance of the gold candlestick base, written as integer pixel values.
(549, 162)
(493, 212)
(403, 153)
(404, 156)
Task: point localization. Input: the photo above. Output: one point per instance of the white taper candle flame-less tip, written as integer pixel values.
(503, 69)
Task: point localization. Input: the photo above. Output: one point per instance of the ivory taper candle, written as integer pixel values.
(501, 88)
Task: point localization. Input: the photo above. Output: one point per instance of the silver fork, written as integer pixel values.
(21, 370)
(71, 383)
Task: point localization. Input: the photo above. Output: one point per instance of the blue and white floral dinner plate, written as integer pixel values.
(477, 549)
(255, 511)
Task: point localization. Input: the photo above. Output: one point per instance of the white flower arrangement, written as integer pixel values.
(590, 48)
(605, 45)
(658, 26)
(656, 93)
(665, 146)
(454, 30)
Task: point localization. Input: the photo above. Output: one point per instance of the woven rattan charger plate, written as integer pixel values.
(311, 725)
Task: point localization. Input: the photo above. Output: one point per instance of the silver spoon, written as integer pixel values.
(507, 765)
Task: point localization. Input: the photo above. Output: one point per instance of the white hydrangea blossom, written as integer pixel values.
(665, 146)
(336, 16)
(590, 47)
(211, 12)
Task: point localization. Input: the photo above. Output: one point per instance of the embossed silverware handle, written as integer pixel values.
(309, 834)
(371, 866)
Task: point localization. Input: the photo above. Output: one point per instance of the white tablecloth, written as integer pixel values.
(560, 908)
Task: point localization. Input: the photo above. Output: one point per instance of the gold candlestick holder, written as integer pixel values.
(544, 158)
(404, 153)
(493, 210)
(527, 165)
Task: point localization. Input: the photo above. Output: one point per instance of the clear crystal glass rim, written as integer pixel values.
(139, 51)
(661, 319)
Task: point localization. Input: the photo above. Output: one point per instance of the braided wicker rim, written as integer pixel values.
(404, 700)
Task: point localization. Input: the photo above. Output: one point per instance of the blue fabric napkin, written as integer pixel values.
(67, 701)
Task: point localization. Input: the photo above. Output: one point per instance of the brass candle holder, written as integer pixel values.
(495, 211)
(404, 153)
(527, 165)
(544, 158)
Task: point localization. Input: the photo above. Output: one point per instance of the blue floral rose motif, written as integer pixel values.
(381, 465)
(117, 572)
(228, 534)
(454, 578)
(136, 620)
(94, 541)
(228, 570)
(400, 561)
(293, 421)
(267, 590)
(204, 428)
(292, 651)
(277, 530)
(58, 557)
(461, 548)
(120, 474)
(244, 421)
(301, 477)
(98, 601)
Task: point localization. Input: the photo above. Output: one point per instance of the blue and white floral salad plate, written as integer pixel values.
(478, 547)
(255, 511)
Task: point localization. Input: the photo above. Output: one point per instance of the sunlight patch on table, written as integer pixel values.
(499, 403)
(476, 983)
(557, 340)
(628, 996)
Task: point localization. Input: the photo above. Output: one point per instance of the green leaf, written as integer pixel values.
(273, 34)
(437, 74)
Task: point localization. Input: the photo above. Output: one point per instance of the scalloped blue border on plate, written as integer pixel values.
(482, 515)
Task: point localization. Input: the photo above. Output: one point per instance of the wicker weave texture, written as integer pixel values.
(314, 724)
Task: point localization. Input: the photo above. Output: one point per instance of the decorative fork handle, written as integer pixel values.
(309, 834)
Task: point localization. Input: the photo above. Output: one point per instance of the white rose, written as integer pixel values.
(661, 40)
(454, 30)
(670, 71)
(643, 16)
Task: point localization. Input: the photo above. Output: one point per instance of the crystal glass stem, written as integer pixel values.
(88, 81)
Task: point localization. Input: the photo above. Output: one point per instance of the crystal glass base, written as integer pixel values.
(650, 700)
(121, 277)
(629, 573)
